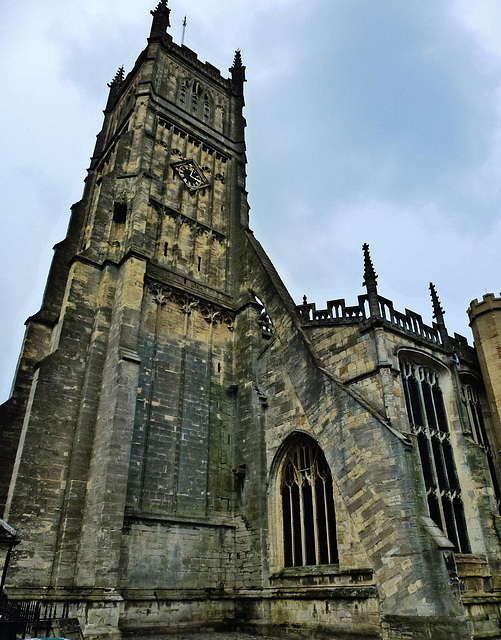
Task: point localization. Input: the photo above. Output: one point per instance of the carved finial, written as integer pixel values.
(438, 312)
(161, 20)
(370, 276)
(115, 88)
(161, 6)
(119, 77)
(237, 60)
(305, 300)
(370, 283)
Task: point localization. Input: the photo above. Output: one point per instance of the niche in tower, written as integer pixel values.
(119, 218)
(119, 212)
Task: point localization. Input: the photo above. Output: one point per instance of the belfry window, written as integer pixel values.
(183, 92)
(119, 212)
(195, 96)
(428, 419)
(207, 110)
(309, 523)
(473, 405)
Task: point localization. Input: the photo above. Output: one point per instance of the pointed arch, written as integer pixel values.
(184, 88)
(307, 504)
(196, 94)
(207, 108)
(423, 380)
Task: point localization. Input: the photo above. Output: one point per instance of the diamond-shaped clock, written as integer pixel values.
(191, 174)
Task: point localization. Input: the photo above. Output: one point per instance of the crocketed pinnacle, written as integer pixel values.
(438, 312)
(161, 19)
(370, 277)
(119, 77)
(161, 6)
(370, 283)
(237, 60)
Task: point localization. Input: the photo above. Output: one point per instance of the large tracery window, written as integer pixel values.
(309, 523)
(428, 419)
(471, 400)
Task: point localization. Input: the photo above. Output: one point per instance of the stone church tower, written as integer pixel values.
(184, 447)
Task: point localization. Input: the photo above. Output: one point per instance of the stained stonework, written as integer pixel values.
(169, 384)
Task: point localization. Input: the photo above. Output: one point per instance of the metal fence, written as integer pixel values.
(35, 619)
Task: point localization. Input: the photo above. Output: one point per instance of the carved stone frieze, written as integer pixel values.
(188, 303)
(158, 292)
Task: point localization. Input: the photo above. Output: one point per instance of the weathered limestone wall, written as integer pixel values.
(373, 471)
(179, 556)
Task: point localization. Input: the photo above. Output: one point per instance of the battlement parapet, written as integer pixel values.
(189, 56)
(337, 312)
(488, 303)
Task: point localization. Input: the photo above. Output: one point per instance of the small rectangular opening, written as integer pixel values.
(119, 212)
(199, 266)
(166, 246)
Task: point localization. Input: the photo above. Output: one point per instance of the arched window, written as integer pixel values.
(428, 419)
(473, 405)
(195, 96)
(309, 523)
(207, 109)
(183, 91)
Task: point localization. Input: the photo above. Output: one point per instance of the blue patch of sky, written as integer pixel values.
(396, 91)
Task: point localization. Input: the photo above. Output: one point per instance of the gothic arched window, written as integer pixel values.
(183, 92)
(207, 108)
(309, 523)
(195, 96)
(473, 405)
(428, 419)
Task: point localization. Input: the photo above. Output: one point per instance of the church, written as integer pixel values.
(186, 448)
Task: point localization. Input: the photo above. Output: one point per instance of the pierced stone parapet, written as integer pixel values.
(338, 312)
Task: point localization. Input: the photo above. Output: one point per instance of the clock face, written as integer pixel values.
(192, 176)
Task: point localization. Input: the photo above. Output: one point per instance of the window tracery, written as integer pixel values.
(183, 92)
(309, 523)
(194, 98)
(428, 419)
(472, 402)
(207, 108)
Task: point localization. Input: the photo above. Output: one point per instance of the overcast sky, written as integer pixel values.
(368, 121)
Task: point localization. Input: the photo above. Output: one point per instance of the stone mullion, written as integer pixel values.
(315, 518)
(301, 520)
(448, 496)
(327, 522)
(293, 532)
